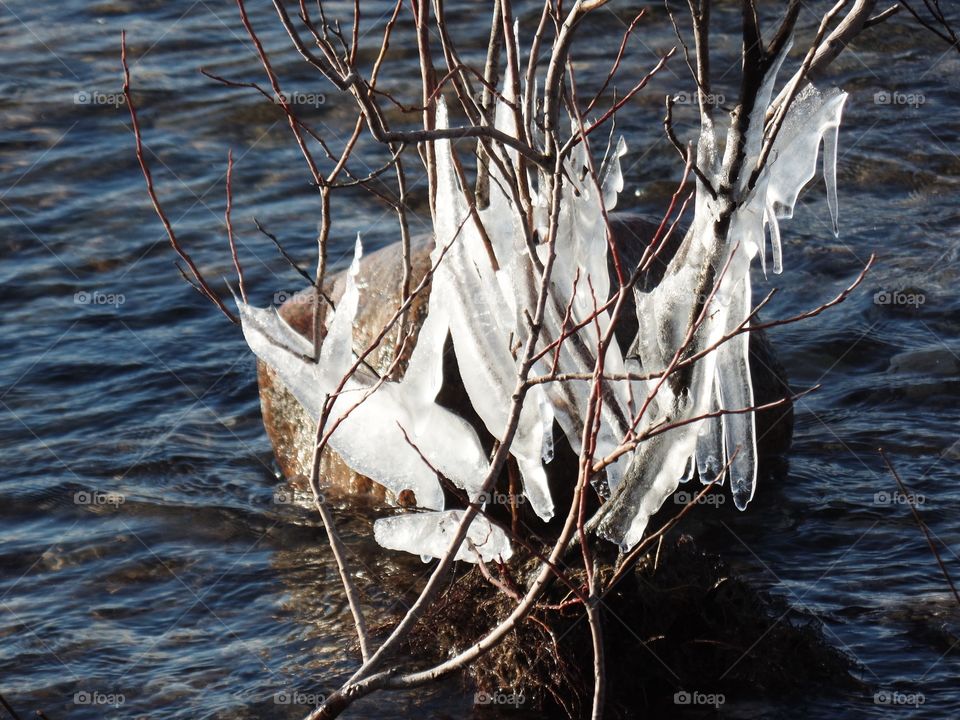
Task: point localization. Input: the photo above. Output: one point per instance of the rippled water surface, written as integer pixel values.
(142, 552)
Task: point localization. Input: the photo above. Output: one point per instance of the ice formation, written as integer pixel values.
(720, 381)
(370, 439)
(429, 535)
(483, 302)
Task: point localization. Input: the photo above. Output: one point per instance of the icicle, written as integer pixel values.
(735, 389)
(424, 375)
(757, 123)
(483, 307)
(830, 173)
(370, 439)
(709, 456)
(773, 225)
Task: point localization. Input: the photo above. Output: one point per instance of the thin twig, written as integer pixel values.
(9, 708)
(198, 280)
(226, 216)
(923, 526)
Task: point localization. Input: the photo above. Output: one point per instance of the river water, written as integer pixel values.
(146, 568)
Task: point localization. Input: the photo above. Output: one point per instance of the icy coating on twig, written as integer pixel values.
(400, 437)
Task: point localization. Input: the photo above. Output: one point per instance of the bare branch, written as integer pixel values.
(940, 26)
(198, 281)
(226, 217)
(922, 524)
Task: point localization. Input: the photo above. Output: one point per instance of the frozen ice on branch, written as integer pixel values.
(484, 290)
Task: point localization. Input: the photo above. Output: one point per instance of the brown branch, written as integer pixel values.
(9, 708)
(226, 216)
(700, 16)
(945, 30)
(921, 523)
(198, 281)
(615, 108)
(847, 30)
(685, 153)
(491, 77)
(616, 62)
(365, 680)
(293, 263)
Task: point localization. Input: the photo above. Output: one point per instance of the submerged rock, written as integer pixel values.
(680, 623)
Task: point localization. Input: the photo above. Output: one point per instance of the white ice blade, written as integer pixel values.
(430, 534)
(336, 354)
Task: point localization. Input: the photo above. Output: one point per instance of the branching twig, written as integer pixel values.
(197, 279)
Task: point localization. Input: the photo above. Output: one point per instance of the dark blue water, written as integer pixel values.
(143, 554)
